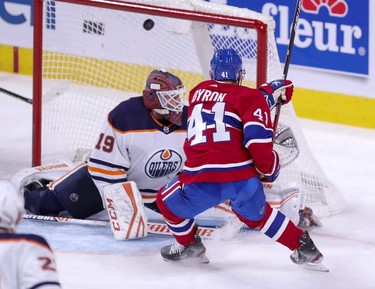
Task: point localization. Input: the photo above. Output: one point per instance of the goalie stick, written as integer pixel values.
(235, 225)
(153, 227)
(287, 60)
(309, 266)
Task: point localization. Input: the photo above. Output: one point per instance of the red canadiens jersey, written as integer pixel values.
(229, 134)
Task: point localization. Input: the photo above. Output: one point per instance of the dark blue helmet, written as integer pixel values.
(226, 65)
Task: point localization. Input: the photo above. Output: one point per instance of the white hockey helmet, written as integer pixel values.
(11, 206)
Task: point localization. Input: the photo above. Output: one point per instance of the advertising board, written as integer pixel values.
(331, 35)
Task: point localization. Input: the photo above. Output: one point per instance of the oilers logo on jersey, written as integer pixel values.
(162, 163)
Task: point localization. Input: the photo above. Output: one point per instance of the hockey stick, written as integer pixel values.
(153, 227)
(235, 225)
(287, 61)
(54, 91)
(15, 95)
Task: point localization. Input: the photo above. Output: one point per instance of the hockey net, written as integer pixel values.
(90, 55)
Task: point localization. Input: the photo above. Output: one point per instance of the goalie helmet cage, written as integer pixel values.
(90, 55)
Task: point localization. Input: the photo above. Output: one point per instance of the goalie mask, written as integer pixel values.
(226, 65)
(164, 93)
(11, 206)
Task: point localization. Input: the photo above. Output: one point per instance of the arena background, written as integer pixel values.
(334, 78)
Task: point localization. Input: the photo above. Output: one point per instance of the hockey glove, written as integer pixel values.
(277, 90)
(273, 173)
(270, 178)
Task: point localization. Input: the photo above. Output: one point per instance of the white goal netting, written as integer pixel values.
(94, 57)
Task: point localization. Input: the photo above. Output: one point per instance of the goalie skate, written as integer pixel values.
(308, 219)
(195, 252)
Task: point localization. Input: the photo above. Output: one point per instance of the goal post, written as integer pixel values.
(89, 55)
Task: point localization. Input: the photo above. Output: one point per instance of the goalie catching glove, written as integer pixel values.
(126, 212)
(277, 90)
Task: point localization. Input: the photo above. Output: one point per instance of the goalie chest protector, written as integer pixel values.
(152, 152)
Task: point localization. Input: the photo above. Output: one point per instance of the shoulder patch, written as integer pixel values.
(131, 114)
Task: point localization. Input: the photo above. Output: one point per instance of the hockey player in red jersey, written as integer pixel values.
(26, 260)
(229, 154)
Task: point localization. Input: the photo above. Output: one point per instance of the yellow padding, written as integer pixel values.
(324, 106)
(335, 107)
(25, 62)
(6, 58)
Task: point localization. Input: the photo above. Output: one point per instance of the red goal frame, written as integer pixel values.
(258, 25)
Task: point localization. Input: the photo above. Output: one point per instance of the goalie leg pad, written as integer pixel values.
(46, 172)
(126, 211)
(289, 201)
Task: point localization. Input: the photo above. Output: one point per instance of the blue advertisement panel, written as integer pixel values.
(16, 22)
(331, 34)
(9, 14)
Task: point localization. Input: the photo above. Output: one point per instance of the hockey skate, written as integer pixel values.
(308, 254)
(194, 252)
(33, 193)
(36, 185)
(308, 219)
